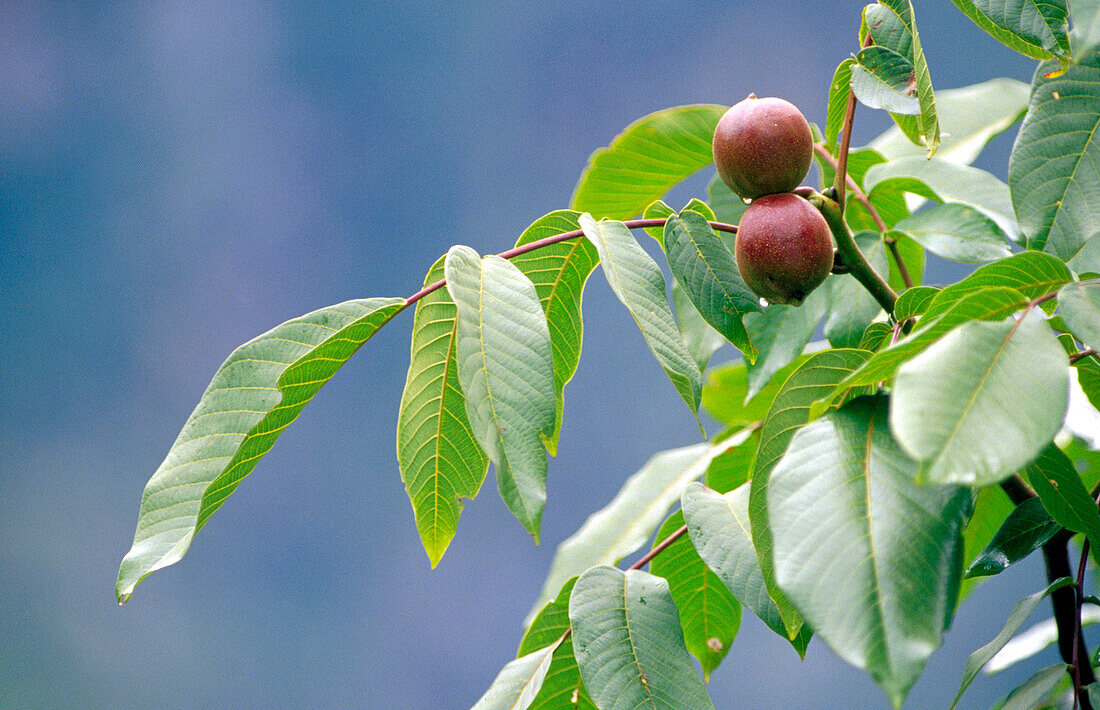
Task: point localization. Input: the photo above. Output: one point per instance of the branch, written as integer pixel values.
(563, 237)
(846, 139)
(849, 251)
(1078, 356)
(1066, 609)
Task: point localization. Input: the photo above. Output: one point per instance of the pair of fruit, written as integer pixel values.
(762, 149)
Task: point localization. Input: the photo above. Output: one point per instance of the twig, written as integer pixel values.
(852, 256)
(1078, 356)
(846, 138)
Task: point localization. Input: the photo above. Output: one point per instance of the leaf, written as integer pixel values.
(506, 369)
(912, 255)
(881, 79)
(780, 334)
(852, 308)
(559, 273)
(720, 532)
(1035, 689)
(1032, 274)
(727, 204)
(912, 302)
(439, 458)
(1034, 29)
(644, 161)
(875, 335)
(1058, 485)
(1087, 261)
(871, 559)
(1085, 32)
(700, 339)
(969, 117)
(791, 409)
(628, 644)
(1020, 611)
(948, 182)
(992, 507)
(638, 283)
(709, 615)
(1035, 640)
(658, 209)
(1079, 304)
(726, 390)
(982, 402)
(562, 686)
(733, 467)
(519, 682)
(256, 393)
(1028, 527)
(1054, 170)
(956, 232)
(838, 101)
(625, 524)
(706, 270)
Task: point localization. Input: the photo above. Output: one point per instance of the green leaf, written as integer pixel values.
(912, 255)
(1058, 485)
(875, 335)
(947, 182)
(562, 686)
(791, 409)
(1085, 32)
(625, 524)
(1032, 274)
(559, 272)
(638, 283)
(256, 393)
(700, 339)
(628, 643)
(1036, 639)
(1034, 29)
(659, 209)
(780, 334)
(709, 615)
(726, 392)
(1035, 689)
(644, 161)
(882, 79)
(969, 118)
(1020, 611)
(913, 301)
(727, 204)
(706, 270)
(720, 530)
(506, 369)
(892, 26)
(1028, 527)
(871, 559)
(439, 458)
(1079, 304)
(982, 402)
(519, 682)
(992, 507)
(1087, 261)
(1054, 171)
(733, 467)
(956, 232)
(851, 306)
(838, 100)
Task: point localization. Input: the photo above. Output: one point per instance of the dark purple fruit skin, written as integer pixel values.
(762, 146)
(784, 249)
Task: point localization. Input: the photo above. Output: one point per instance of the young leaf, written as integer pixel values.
(1020, 611)
(700, 339)
(628, 643)
(1036, 689)
(506, 369)
(439, 458)
(644, 161)
(1054, 171)
(562, 686)
(1059, 486)
(969, 117)
(709, 614)
(791, 409)
(875, 335)
(838, 101)
(1036, 30)
(913, 301)
(559, 273)
(637, 281)
(719, 529)
(852, 308)
(780, 334)
(1028, 527)
(626, 523)
(519, 682)
(1031, 273)
(871, 559)
(706, 270)
(982, 402)
(956, 232)
(256, 393)
(1079, 304)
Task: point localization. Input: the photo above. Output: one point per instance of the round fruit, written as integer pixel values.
(784, 248)
(762, 146)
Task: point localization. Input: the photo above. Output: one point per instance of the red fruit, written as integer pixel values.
(762, 146)
(784, 248)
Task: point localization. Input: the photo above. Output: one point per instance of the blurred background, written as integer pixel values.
(176, 178)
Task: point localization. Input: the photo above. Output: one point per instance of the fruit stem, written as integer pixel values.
(851, 255)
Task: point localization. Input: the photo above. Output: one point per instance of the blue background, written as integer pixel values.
(176, 178)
